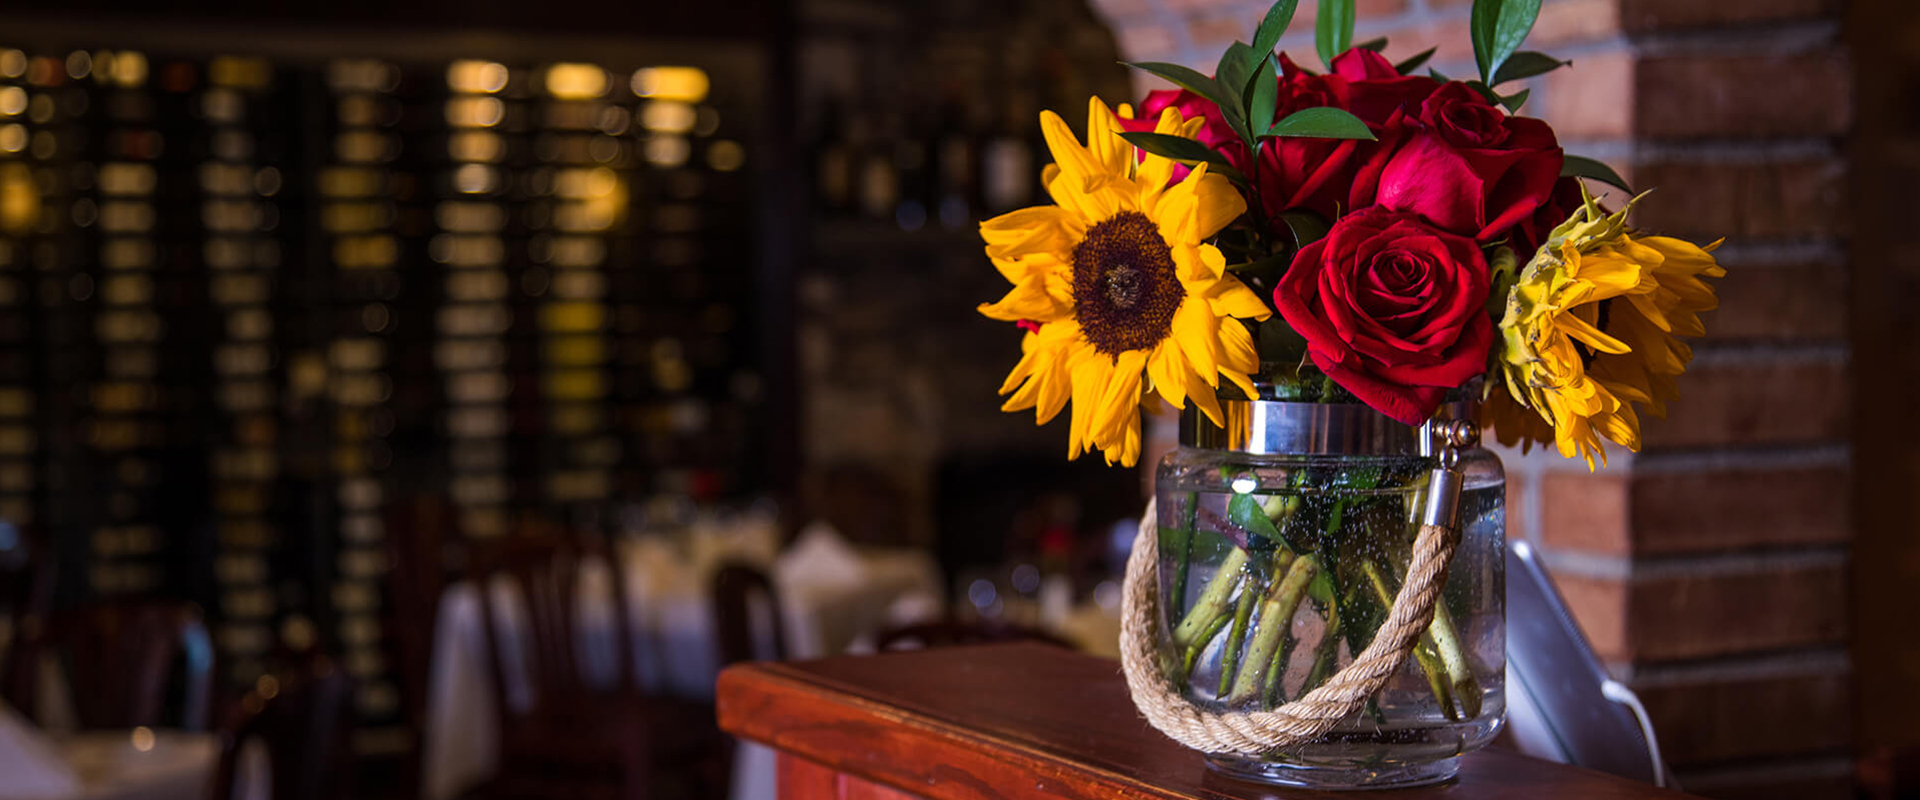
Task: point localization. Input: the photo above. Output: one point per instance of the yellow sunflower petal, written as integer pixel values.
(1028, 300)
(1081, 168)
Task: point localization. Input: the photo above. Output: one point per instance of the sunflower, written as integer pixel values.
(1592, 328)
(1119, 293)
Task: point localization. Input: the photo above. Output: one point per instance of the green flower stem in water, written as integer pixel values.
(1184, 556)
(1236, 636)
(1466, 690)
(1276, 615)
(1430, 665)
(1213, 600)
(1193, 650)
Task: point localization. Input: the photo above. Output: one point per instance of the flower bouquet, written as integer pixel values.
(1335, 274)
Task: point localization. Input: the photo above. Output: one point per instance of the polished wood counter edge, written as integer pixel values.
(1033, 721)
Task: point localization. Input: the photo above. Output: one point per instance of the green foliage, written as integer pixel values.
(1376, 44)
(1322, 122)
(1185, 151)
(1514, 101)
(1272, 27)
(1526, 64)
(1498, 27)
(1581, 167)
(1266, 92)
(1333, 30)
(1417, 61)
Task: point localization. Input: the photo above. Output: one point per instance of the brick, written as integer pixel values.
(1796, 199)
(1685, 616)
(1600, 606)
(1450, 35)
(1645, 15)
(1796, 401)
(1722, 720)
(1804, 301)
(1739, 509)
(1699, 616)
(1123, 12)
(1586, 512)
(1592, 98)
(1211, 34)
(1572, 21)
(1139, 42)
(1723, 96)
(1661, 514)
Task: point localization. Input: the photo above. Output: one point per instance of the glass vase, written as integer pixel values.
(1284, 536)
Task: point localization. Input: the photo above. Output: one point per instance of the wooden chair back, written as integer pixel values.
(544, 575)
(303, 715)
(417, 530)
(119, 658)
(26, 596)
(736, 588)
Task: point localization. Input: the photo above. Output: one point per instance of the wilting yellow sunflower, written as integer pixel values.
(1126, 296)
(1592, 327)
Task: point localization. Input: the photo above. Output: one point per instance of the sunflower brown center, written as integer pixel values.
(1124, 289)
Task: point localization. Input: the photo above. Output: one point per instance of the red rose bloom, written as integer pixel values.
(1533, 231)
(1216, 134)
(1376, 88)
(1299, 172)
(1392, 308)
(1462, 164)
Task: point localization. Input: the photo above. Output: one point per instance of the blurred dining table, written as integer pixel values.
(136, 764)
(832, 597)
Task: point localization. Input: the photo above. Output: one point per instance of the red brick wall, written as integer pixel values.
(1711, 571)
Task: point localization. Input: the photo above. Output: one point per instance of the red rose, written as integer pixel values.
(1462, 164)
(1309, 173)
(1377, 89)
(1392, 308)
(1216, 134)
(1533, 231)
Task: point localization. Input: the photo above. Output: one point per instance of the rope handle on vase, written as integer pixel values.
(1308, 717)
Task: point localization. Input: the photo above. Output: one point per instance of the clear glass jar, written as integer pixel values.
(1284, 536)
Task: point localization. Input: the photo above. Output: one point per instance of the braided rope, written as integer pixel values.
(1304, 719)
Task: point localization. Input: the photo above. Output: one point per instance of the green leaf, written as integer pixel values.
(1266, 93)
(1231, 76)
(1178, 148)
(1184, 77)
(1498, 27)
(1322, 123)
(1484, 90)
(1435, 74)
(1305, 226)
(1526, 64)
(1261, 266)
(1185, 151)
(1514, 101)
(1272, 27)
(1333, 31)
(1234, 74)
(1244, 510)
(1321, 587)
(1376, 44)
(1408, 66)
(1581, 167)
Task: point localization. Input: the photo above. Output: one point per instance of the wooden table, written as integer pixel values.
(1026, 721)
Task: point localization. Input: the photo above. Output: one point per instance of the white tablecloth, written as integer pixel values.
(833, 599)
(122, 765)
